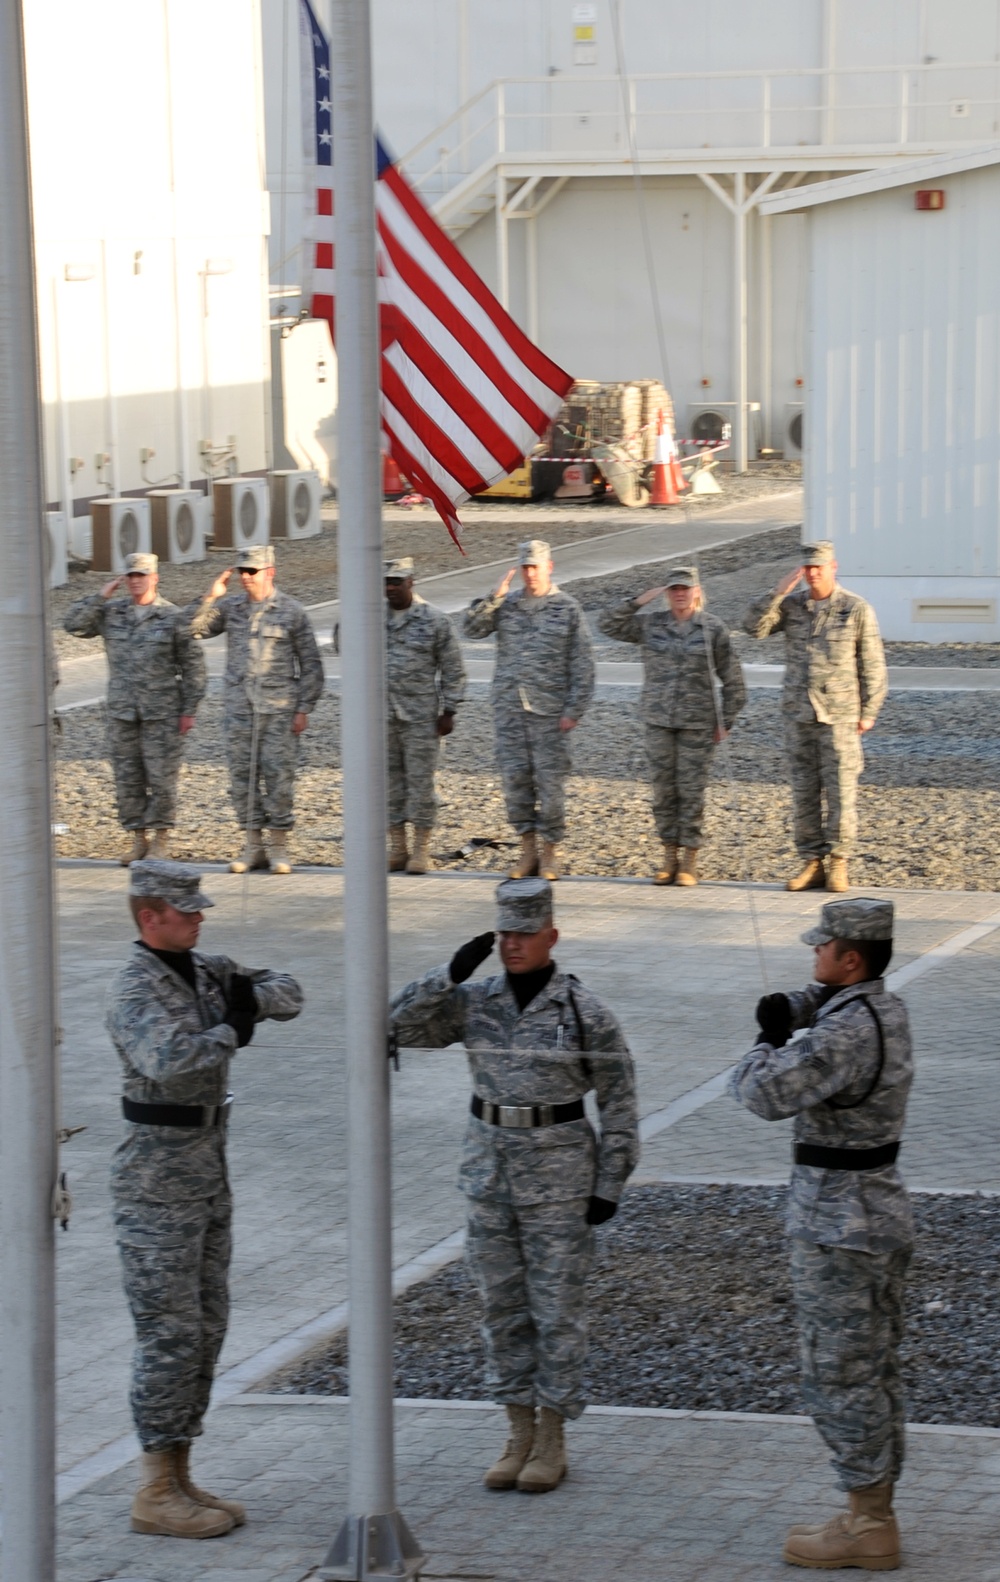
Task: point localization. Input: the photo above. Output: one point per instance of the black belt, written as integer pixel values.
(846, 1158)
(197, 1116)
(526, 1114)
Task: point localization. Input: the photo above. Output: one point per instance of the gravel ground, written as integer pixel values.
(674, 1324)
(307, 568)
(929, 803)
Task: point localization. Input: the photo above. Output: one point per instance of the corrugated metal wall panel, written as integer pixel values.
(903, 432)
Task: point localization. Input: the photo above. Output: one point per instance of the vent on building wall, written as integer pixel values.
(296, 497)
(982, 612)
(241, 512)
(177, 524)
(121, 527)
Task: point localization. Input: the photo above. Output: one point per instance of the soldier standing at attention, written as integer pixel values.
(837, 1056)
(176, 1018)
(156, 679)
(835, 684)
(684, 651)
(425, 683)
(274, 678)
(535, 1176)
(542, 684)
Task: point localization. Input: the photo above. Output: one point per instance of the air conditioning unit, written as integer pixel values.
(56, 545)
(793, 428)
(707, 422)
(119, 528)
(178, 524)
(241, 512)
(296, 497)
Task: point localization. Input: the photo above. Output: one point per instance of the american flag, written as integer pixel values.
(465, 393)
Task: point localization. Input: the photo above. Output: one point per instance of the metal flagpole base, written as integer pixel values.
(372, 1547)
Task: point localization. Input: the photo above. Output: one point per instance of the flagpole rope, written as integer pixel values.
(647, 246)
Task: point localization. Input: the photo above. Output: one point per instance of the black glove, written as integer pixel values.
(599, 1211)
(468, 957)
(241, 1008)
(775, 1017)
(243, 1024)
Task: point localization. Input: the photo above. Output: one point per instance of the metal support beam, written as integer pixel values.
(531, 273)
(28, 1081)
(503, 251)
(740, 379)
(373, 1540)
(765, 326)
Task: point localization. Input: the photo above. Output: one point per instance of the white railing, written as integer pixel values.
(679, 113)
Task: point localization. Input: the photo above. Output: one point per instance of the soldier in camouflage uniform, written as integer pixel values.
(274, 678)
(156, 679)
(542, 684)
(425, 683)
(176, 1018)
(685, 652)
(838, 1056)
(536, 1178)
(835, 684)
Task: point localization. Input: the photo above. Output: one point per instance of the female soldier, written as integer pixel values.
(684, 651)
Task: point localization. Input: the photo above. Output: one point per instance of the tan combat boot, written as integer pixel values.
(182, 1471)
(836, 875)
(668, 873)
(421, 859)
(137, 850)
(546, 1466)
(254, 855)
(278, 851)
(865, 1537)
(527, 864)
(548, 862)
(687, 873)
(159, 846)
(812, 876)
(503, 1474)
(398, 854)
(161, 1506)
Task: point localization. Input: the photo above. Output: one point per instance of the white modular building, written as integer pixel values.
(517, 122)
(151, 217)
(902, 358)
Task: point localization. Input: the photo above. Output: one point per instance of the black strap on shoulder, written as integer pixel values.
(853, 1104)
(578, 1019)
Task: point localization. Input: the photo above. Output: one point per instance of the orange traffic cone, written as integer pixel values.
(393, 482)
(676, 470)
(664, 488)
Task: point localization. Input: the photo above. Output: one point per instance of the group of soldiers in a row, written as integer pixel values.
(543, 683)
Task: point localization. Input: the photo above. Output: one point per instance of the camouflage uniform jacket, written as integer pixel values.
(155, 670)
(272, 657)
(677, 688)
(425, 673)
(823, 1076)
(532, 1057)
(834, 660)
(545, 659)
(175, 1048)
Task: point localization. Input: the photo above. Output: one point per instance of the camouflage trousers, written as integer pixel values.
(850, 1315)
(412, 757)
(680, 762)
(268, 803)
(530, 1266)
(534, 761)
(146, 760)
(175, 1262)
(824, 759)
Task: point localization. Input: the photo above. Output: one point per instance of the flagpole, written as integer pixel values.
(374, 1540)
(28, 1152)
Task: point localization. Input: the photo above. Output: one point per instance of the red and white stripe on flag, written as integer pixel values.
(465, 393)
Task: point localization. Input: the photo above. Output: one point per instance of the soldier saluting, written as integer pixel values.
(535, 1177)
(156, 679)
(837, 1055)
(542, 684)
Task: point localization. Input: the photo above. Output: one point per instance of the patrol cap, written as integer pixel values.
(681, 577)
(523, 905)
(818, 554)
(140, 565)
(854, 921)
(258, 557)
(174, 882)
(534, 552)
(397, 570)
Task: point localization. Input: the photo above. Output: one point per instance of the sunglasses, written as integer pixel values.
(249, 571)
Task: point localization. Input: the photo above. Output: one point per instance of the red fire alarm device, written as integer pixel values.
(929, 198)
